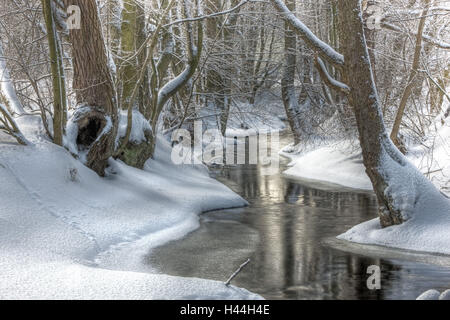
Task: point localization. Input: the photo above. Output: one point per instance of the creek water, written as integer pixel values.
(289, 232)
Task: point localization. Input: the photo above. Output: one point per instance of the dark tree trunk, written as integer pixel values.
(287, 81)
(363, 98)
(96, 116)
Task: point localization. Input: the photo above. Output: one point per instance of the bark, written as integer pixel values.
(260, 76)
(215, 82)
(9, 126)
(128, 71)
(363, 99)
(133, 37)
(144, 99)
(57, 69)
(96, 114)
(411, 83)
(114, 26)
(228, 32)
(371, 39)
(287, 81)
(137, 154)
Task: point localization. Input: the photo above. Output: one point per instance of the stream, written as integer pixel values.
(289, 232)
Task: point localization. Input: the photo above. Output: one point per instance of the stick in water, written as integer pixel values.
(237, 272)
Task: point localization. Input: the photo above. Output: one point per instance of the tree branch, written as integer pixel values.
(323, 49)
(329, 80)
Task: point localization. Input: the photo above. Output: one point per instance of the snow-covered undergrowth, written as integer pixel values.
(428, 210)
(61, 225)
(246, 119)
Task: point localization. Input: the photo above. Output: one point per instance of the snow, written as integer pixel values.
(138, 128)
(425, 207)
(434, 295)
(7, 88)
(432, 157)
(329, 164)
(307, 34)
(63, 229)
(247, 119)
(429, 295)
(428, 213)
(425, 210)
(330, 79)
(9, 125)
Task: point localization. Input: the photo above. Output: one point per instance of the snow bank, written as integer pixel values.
(428, 211)
(333, 163)
(61, 225)
(138, 127)
(428, 218)
(434, 295)
(329, 164)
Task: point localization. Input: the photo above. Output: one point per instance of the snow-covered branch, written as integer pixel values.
(7, 88)
(328, 79)
(9, 126)
(433, 41)
(212, 15)
(323, 49)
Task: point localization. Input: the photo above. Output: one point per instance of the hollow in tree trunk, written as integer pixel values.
(96, 115)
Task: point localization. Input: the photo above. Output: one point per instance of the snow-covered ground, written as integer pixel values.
(246, 119)
(62, 228)
(330, 164)
(434, 295)
(428, 230)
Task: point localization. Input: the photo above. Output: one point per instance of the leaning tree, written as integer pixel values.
(398, 185)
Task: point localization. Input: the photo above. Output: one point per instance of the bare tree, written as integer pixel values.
(385, 165)
(96, 115)
(57, 68)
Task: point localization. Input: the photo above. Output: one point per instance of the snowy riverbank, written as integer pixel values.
(61, 224)
(428, 229)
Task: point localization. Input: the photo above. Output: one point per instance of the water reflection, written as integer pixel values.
(283, 231)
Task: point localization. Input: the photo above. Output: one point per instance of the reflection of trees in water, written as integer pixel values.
(289, 261)
(293, 220)
(292, 230)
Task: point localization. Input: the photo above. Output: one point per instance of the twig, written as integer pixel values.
(237, 272)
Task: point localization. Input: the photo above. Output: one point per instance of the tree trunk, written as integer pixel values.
(128, 69)
(228, 32)
(96, 114)
(377, 149)
(57, 68)
(287, 81)
(398, 185)
(411, 81)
